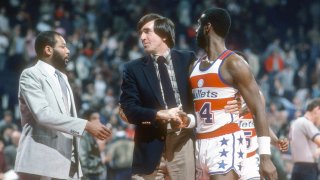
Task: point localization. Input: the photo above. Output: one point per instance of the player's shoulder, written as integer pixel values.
(235, 60)
(234, 56)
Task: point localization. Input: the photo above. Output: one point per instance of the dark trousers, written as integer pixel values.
(119, 174)
(305, 171)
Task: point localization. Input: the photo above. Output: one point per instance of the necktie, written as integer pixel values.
(64, 90)
(74, 158)
(166, 83)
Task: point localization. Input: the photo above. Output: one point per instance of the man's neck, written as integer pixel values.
(215, 48)
(163, 52)
(308, 116)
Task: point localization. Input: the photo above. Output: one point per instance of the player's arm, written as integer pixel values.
(282, 143)
(273, 136)
(237, 72)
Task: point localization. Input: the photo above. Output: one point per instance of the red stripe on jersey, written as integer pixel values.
(216, 104)
(209, 80)
(247, 116)
(250, 154)
(225, 54)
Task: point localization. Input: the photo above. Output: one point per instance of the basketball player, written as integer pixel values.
(215, 79)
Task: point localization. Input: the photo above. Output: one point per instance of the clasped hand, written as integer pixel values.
(175, 116)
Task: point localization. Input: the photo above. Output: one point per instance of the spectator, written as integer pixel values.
(3, 165)
(274, 62)
(10, 151)
(119, 156)
(4, 44)
(7, 121)
(89, 152)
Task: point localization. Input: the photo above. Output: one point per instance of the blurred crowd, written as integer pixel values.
(281, 39)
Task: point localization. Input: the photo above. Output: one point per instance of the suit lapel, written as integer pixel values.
(178, 65)
(55, 88)
(73, 107)
(152, 79)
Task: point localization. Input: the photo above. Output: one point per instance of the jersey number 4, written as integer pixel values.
(205, 113)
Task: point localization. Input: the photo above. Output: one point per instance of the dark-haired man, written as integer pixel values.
(48, 147)
(153, 88)
(215, 79)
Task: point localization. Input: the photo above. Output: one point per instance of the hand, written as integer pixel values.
(169, 114)
(233, 106)
(98, 130)
(122, 115)
(267, 169)
(283, 144)
(184, 120)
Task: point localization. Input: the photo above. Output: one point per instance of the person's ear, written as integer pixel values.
(48, 51)
(207, 27)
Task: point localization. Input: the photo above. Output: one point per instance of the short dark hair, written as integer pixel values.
(313, 104)
(45, 38)
(163, 27)
(147, 18)
(219, 19)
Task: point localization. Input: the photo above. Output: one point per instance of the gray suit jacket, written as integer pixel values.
(45, 147)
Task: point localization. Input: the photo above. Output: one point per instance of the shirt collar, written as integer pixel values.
(165, 55)
(50, 69)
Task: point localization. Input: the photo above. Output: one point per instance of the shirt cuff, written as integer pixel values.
(192, 122)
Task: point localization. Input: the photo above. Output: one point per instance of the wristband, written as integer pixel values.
(264, 145)
(192, 122)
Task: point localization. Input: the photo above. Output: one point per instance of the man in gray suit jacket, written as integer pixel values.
(48, 147)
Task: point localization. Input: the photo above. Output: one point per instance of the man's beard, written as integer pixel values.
(59, 60)
(201, 40)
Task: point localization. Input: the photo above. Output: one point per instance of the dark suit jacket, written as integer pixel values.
(141, 98)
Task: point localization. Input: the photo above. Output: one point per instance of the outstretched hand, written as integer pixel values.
(98, 130)
(283, 144)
